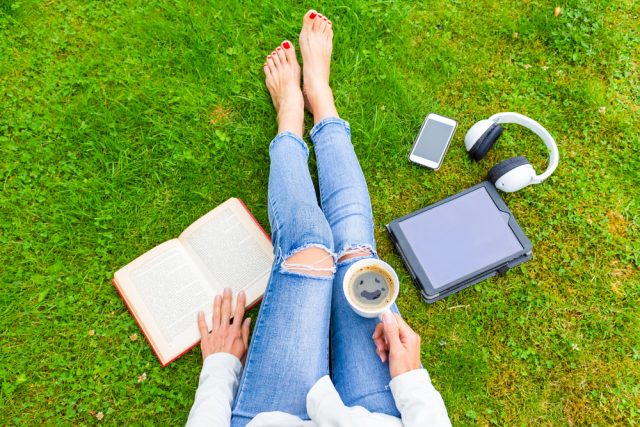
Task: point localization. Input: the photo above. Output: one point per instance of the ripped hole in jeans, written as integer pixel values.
(314, 261)
(355, 252)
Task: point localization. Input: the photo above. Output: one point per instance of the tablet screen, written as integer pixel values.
(460, 237)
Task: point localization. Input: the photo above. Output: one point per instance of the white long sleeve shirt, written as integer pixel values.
(418, 402)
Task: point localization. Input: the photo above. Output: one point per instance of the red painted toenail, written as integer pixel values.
(279, 48)
(324, 18)
(286, 45)
(313, 15)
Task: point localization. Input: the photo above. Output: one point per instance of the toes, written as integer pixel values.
(323, 24)
(326, 24)
(328, 31)
(275, 58)
(289, 51)
(281, 55)
(267, 71)
(271, 64)
(309, 18)
(317, 23)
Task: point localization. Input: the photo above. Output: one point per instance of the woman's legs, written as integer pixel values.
(289, 347)
(357, 372)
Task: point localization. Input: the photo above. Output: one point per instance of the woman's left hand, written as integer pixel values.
(226, 336)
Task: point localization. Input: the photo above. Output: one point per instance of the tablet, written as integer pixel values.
(459, 241)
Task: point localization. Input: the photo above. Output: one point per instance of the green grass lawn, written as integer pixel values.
(121, 122)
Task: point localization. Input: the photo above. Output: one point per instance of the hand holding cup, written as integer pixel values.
(395, 340)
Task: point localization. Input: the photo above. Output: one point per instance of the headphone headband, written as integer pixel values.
(538, 129)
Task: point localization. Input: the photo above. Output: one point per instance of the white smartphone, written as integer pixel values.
(433, 141)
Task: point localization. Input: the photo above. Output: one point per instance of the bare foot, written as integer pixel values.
(282, 73)
(316, 43)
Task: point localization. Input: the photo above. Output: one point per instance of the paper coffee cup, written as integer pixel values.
(370, 286)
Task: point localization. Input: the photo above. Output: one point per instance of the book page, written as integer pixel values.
(232, 249)
(166, 290)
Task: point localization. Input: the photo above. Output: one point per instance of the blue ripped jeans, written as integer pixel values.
(302, 315)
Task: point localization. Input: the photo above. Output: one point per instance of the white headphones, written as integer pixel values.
(515, 173)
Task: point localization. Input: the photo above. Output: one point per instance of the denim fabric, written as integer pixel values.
(356, 371)
(289, 349)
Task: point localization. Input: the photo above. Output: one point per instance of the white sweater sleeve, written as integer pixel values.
(418, 401)
(216, 391)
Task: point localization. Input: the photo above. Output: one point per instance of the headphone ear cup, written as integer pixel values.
(516, 182)
(485, 142)
(505, 166)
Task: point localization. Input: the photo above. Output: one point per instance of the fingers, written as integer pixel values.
(239, 314)
(202, 325)
(378, 336)
(378, 331)
(246, 328)
(380, 343)
(391, 330)
(402, 325)
(401, 321)
(217, 301)
(226, 308)
(406, 333)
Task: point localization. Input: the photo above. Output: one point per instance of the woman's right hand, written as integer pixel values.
(395, 337)
(227, 336)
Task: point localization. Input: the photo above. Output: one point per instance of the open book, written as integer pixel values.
(166, 287)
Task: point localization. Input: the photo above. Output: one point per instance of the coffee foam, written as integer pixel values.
(371, 288)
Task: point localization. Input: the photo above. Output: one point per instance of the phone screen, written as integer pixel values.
(433, 141)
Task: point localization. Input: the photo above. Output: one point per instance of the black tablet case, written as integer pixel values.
(420, 277)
